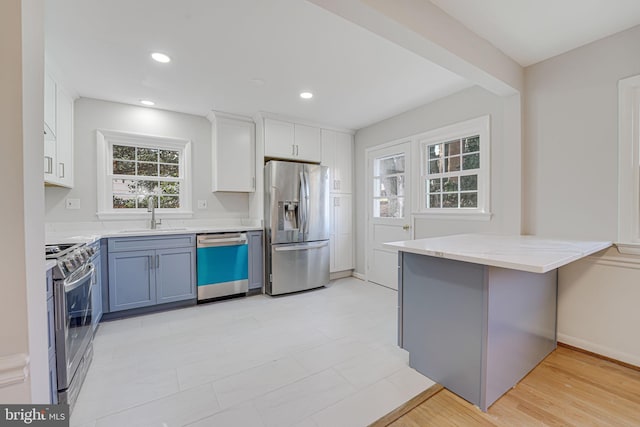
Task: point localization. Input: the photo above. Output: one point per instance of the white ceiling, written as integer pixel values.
(102, 48)
(219, 48)
(530, 31)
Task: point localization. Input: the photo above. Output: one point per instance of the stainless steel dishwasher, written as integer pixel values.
(222, 264)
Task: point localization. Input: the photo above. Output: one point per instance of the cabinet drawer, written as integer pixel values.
(119, 244)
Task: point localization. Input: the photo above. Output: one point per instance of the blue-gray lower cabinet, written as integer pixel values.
(175, 274)
(146, 271)
(131, 280)
(96, 289)
(256, 257)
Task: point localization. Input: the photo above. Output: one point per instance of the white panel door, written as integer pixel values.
(389, 204)
(279, 139)
(307, 143)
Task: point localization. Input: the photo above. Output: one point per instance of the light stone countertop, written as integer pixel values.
(90, 232)
(525, 253)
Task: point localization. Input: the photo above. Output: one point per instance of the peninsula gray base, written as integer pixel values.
(475, 329)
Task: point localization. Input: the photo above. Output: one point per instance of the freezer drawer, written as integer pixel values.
(299, 266)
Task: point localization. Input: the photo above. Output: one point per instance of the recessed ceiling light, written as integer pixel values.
(161, 57)
(306, 95)
(147, 102)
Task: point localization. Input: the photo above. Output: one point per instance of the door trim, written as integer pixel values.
(369, 195)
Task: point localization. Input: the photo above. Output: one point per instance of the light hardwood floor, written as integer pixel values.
(569, 388)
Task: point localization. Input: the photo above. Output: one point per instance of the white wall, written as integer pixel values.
(570, 191)
(505, 162)
(22, 300)
(92, 114)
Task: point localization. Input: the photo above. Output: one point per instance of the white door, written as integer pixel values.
(389, 206)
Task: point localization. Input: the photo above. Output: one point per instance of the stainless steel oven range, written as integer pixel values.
(73, 277)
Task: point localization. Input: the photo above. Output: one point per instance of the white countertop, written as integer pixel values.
(88, 233)
(526, 253)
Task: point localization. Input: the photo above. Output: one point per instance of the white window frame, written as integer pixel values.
(106, 139)
(629, 165)
(479, 126)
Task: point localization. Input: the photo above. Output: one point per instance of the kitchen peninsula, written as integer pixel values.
(477, 312)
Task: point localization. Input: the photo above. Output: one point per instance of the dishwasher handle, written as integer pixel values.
(212, 240)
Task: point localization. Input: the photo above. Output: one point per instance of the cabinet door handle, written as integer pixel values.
(61, 169)
(49, 168)
(293, 149)
(157, 261)
(297, 150)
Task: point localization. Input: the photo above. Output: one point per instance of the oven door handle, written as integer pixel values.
(68, 287)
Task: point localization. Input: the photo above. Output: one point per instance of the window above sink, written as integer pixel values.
(131, 167)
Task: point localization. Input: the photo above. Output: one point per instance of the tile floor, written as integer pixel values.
(327, 357)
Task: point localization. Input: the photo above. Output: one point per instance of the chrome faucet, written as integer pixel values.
(151, 207)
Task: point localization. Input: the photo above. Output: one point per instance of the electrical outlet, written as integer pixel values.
(202, 204)
(72, 203)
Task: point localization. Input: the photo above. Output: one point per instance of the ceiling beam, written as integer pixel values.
(425, 29)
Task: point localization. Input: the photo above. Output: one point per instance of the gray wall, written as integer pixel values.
(571, 130)
(92, 114)
(505, 162)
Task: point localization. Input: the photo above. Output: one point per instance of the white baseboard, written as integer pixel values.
(359, 276)
(14, 369)
(339, 274)
(599, 349)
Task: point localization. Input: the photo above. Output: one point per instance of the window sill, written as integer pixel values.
(455, 215)
(628, 248)
(144, 215)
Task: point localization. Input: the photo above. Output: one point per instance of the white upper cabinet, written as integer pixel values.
(307, 140)
(279, 139)
(233, 153)
(64, 138)
(337, 154)
(286, 140)
(49, 106)
(58, 134)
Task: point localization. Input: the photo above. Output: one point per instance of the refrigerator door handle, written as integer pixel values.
(301, 247)
(302, 209)
(306, 203)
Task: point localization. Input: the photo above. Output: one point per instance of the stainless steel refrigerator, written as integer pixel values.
(296, 216)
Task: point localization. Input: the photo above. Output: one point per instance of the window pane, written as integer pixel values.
(170, 170)
(452, 164)
(169, 156)
(170, 202)
(143, 201)
(124, 202)
(434, 201)
(394, 186)
(123, 152)
(471, 161)
(435, 151)
(469, 200)
(124, 168)
(390, 165)
(147, 154)
(452, 148)
(147, 169)
(147, 187)
(389, 208)
(469, 182)
(450, 184)
(124, 186)
(471, 144)
(450, 200)
(170, 187)
(434, 185)
(435, 166)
